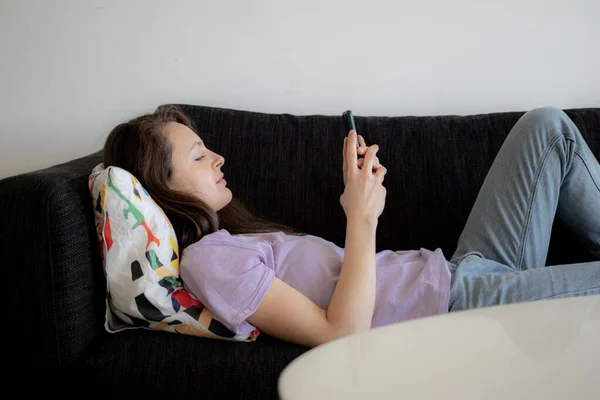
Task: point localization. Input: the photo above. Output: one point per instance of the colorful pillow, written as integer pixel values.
(140, 256)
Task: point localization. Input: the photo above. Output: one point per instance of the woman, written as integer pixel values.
(303, 289)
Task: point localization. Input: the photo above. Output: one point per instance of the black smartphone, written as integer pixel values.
(349, 124)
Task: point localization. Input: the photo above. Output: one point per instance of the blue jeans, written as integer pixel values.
(544, 168)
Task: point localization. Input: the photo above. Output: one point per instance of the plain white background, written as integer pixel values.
(72, 69)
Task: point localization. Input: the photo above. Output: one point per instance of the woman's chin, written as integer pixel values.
(227, 199)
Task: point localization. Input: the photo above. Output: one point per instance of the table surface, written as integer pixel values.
(546, 350)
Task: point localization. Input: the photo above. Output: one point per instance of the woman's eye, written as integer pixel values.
(199, 158)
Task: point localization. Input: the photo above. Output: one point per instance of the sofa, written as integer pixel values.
(284, 167)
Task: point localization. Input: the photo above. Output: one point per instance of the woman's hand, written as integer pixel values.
(360, 151)
(364, 193)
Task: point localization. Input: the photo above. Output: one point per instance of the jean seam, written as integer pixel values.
(584, 161)
(567, 294)
(533, 191)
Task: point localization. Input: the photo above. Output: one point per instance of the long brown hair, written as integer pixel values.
(140, 147)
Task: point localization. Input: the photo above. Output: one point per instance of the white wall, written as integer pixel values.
(72, 69)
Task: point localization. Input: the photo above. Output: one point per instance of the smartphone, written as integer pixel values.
(349, 124)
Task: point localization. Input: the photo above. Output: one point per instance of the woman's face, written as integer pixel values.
(196, 169)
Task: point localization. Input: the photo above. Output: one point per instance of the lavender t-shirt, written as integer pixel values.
(231, 275)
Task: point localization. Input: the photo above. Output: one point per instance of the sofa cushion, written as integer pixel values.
(140, 255)
(153, 364)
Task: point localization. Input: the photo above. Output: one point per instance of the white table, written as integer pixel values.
(539, 350)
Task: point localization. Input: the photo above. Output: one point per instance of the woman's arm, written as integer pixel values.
(287, 314)
(351, 307)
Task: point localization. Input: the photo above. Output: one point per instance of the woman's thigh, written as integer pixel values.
(540, 165)
(478, 282)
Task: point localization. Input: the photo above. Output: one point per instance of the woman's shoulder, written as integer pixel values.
(221, 248)
(219, 235)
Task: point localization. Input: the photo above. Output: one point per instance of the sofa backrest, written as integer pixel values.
(285, 168)
(289, 169)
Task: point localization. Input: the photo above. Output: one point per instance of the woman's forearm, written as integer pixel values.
(351, 307)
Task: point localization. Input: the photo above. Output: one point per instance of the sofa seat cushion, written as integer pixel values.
(161, 364)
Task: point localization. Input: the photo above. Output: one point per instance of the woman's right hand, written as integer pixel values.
(364, 193)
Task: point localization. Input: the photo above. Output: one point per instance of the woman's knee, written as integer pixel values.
(549, 119)
(546, 115)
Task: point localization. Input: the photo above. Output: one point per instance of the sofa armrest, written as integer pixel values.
(48, 243)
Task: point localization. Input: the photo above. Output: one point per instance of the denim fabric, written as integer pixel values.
(544, 169)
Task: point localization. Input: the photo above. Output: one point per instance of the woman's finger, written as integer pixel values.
(370, 158)
(376, 163)
(351, 155)
(362, 145)
(361, 141)
(380, 173)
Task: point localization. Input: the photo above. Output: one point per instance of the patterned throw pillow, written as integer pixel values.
(140, 256)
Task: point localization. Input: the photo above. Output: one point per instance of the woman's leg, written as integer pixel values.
(499, 284)
(544, 168)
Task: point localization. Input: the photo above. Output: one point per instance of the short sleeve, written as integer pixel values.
(230, 279)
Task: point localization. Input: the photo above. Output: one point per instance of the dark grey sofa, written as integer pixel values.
(283, 167)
